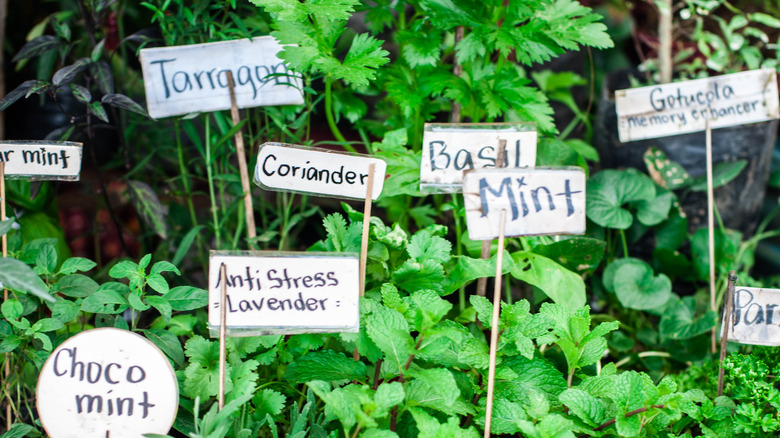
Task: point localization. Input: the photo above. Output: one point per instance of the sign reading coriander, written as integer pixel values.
(449, 150)
(317, 171)
(105, 382)
(278, 293)
(41, 160)
(682, 107)
(755, 316)
(187, 79)
(537, 201)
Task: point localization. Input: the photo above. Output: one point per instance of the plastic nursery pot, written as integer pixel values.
(739, 202)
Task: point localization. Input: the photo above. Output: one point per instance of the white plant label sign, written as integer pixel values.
(285, 293)
(537, 202)
(682, 107)
(449, 150)
(755, 316)
(107, 381)
(317, 171)
(41, 160)
(187, 79)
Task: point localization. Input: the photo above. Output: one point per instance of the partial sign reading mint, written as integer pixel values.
(755, 316)
(450, 150)
(107, 382)
(188, 79)
(284, 293)
(41, 160)
(537, 201)
(315, 171)
(682, 107)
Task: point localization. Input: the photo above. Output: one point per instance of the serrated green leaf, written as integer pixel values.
(413, 276)
(325, 365)
(268, 402)
(424, 247)
(390, 332)
(358, 68)
(585, 406)
(202, 374)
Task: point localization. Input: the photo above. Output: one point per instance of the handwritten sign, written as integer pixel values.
(682, 107)
(105, 381)
(41, 160)
(449, 150)
(317, 171)
(186, 79)
(285, 293)
(755, 316)
(537, 201)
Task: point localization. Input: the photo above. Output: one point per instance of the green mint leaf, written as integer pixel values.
(531, 375)
(431, 306)
(507, 416)
(588, 408)
(340, 403)
(468, 269)
(390, 332)
(484, 309)
(429, 426)
(325, 365)
(388, 395)
(439, 385)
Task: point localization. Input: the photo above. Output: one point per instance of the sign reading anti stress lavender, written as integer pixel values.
(682, 107)
(187, 79)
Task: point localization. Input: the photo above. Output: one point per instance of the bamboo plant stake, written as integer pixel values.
(4, 239)
(728, 306)
(366, 220)
(222, 338)
(485, 254)
(494, 325)
(242, 167)
(711, 226)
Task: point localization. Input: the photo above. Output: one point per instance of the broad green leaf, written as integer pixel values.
(158, 283)
(561, 285)
(390, 332)
(168, 343)
(107, 299)
(529, 375)
(413, 276)
(325, 365)
(164, 266)
(722, 174)
(124, 269)
(65, 310)
(19, 430)
(585, 406)
(378, 433)
(148, 206)
(673, 232)
(726, 248)
(424, 247)
(429, 426)
(47, 325)
(432, 307)
(12, 309)
(608, 278)
(339, 402)
(46, 259)
(578, 254)
(679, 320)
(160, 303)
(609, 190)
(76, 264)
(183, 298)
(201, 377)
(506, 418)
(468, 269)
(665, 172)
(654, 212)
(388, 395)
(436, 384)
(637, 288)
(18, 276)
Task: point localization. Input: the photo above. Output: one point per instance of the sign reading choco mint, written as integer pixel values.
(107, 381)
(755, 316)
(187, 79)
(41, 160)
(537, 201)
(682, 107)
(449, 150)
(317, 171)
(273, 293)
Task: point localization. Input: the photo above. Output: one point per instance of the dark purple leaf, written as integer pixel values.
(97, 109)
(81, 93)
(17, 93)
(124, 102)
(101, 73)
(148, 206)
(37, 46)
(66, 74)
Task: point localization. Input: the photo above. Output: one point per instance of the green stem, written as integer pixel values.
(329, 115)
(624, 242)
(210, 177)
(458, 248)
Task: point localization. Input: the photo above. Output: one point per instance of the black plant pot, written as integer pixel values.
(739, 202)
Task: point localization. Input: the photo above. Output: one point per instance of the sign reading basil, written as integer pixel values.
(449, 150)
(107, 381)
(537, 201)
(284, 293)
(41, 160)
(317, 171)
(682, 107)
(755, 316)
(187, 79)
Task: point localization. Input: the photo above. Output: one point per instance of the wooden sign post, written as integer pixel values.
(699, 105)
(520, 202)
(187, 79)
(105, 382)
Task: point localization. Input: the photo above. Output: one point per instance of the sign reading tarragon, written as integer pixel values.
(537, 201)
(682, 107)
(187, 79)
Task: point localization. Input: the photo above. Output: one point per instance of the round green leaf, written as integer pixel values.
(654, 212)
(608, 278)
(609, 190)
(637, 288)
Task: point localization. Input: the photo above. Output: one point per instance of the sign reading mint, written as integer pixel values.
(682, 107)
(284, 293)
(41, 160)
(449, 150)
(107, 382)
(755, 316)
(187, 79)
(537, 201)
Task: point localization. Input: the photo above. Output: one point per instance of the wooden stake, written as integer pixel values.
(366, 219)
(494, 325)
(728, 305)
(485, 254)
(222, 338)
(711, 226)
(242, 168)
(4, 240)
(665, 41)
